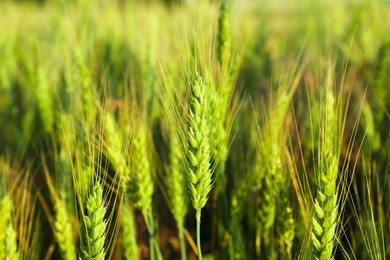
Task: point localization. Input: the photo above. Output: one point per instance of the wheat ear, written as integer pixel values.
(325, 205)
(63, 230)
(129, 231)
(176, 188)
(198, 151)
(95, 225)
(114, 149)
(8, 236)
(141, 186)
(223, 33)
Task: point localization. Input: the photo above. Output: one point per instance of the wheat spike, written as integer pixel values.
(8, 236)
(114, 147)
(129, 232)
(63, 230)
(95, 226)
(325, 205)
(198, 151)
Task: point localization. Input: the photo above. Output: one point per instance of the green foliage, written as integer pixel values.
(113, 125)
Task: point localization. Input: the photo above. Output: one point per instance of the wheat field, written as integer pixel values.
(199, 129)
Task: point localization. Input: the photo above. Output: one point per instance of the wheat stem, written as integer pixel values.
(198, 245)
(155, 252)
(182, 243)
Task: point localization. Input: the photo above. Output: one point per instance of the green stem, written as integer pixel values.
(150, 226)
(151, 247)
(155, 252)
(182, 243)
(198, 213)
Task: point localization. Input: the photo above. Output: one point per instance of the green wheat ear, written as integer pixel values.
(141, 186)
(176, 184)
(176, 180)
(223, 33)
(95, 226)
(199, 174)
(129, 231)
(198, 152)
(8, 236)
(285, 223)
(114, 149)
(63, 230)
(325, 205)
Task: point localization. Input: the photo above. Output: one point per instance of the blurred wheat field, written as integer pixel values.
(194, 129)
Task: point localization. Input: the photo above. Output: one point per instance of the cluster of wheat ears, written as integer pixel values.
(194, 129)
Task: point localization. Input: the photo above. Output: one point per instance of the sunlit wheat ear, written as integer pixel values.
(220, 96)
(11, 248)
(198, 151)
(94, 236)
(5, 209)
(176, 184)
(273, 170)
(114, 149)
(270, 170)
(129, 231)
(87, 92)
(223, 33)
(8, 236)
(62, 226)
(326, 203)
(63, 230)
(176, 181)
(218, 136)
(141, 187)
(285, 223)
(45, 102)
(198, 156)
